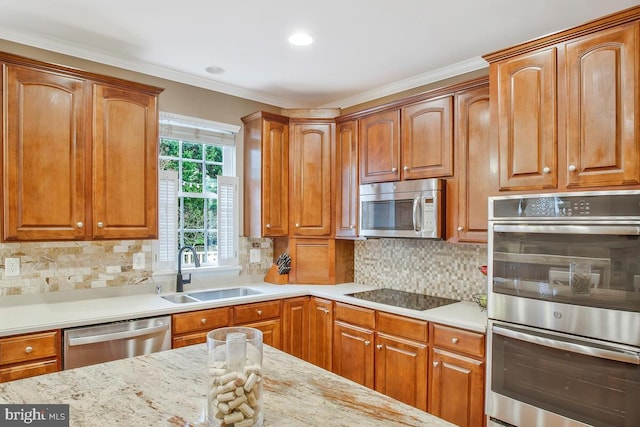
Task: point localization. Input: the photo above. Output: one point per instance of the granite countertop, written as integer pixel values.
(42, 312)
(168, 389)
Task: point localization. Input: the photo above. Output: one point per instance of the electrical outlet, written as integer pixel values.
(138, 261)
(254, 255)
(11, 267)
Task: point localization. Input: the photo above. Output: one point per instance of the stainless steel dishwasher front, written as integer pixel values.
(89, 345)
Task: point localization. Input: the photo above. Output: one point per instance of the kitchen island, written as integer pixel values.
(168, 389)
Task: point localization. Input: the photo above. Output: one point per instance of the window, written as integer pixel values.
(198, 202)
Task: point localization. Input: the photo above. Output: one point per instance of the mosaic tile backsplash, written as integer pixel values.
(430, 267)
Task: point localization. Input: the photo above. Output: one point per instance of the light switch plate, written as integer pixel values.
(138, 261)
(254, 255)
(11, 267)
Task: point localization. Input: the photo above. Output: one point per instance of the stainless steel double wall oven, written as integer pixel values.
(564, 310)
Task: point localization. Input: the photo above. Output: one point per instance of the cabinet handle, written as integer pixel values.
(454, 340)
(203, 320)
(461, 228)
(268, 225)
(80, 224)
(259, 312)
(572, 168)
(100, 224)
(435, 364)
(325, 310)
(394, 169)
(28, 349)
(367, 342)
(546, 169)
(379, 346)
(406, 168)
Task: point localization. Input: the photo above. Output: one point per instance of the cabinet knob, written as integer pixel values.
(259, 312)
(546, 169)
(203, 320)
(100, 224)
(28, 349)
(435, 364)
(394, 169)
(268, 225)
(297, 225)
(80, 224)
(461, 228)
(325, 310)
(454, 340)
(367, 342)
(351, 227)
(406, 168)
(572, 168)
(379, 346)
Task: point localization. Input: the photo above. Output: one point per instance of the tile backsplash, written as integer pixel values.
(431, 267)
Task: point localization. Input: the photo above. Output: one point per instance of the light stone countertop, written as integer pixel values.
(42, 312)
(168, 389)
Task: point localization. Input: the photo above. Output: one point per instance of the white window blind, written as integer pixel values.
(227, 219)
(197, 130)
(166, 248)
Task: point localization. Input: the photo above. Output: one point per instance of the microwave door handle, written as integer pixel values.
(622, 230)
(417, 220)
(602, 353)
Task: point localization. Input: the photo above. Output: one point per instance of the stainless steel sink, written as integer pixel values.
(179, 298)
(222, 294)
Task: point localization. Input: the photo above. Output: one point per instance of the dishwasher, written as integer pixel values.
(89, 345)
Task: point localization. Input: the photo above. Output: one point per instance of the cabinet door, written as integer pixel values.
(28, 370)
(473, 144)
(347, 179)
(427, 139)
(456, 393)
(603, 147)
(295, 327)
(401, 370)
(44, 163)
(310, 199)
(527, 120)
(380, 147)
(275, 178)
(353, 353)
(125, 164)
(321, 332)
(271, 332)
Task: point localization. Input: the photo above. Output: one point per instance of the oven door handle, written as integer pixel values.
(616, 230)
(602, 353)
(94, 339)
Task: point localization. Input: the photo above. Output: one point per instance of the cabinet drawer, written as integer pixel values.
(360, 316)
(28, 370)
(458, 340)
(405, 327)
(200, 320)
(256, 312)
(29, 347)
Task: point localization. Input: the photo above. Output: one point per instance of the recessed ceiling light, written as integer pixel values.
(300, 39)
(214, 70)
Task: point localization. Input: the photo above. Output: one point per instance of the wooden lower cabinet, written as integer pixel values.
(295, 327)
(353, 353)
(271, 332)
(28, 355)
(321, 332)
(192, 327)
(457, 370)
(264, 316)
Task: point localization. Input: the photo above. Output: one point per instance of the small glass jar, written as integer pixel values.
(234, 363)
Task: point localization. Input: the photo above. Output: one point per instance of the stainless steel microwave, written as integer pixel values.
(412, 209)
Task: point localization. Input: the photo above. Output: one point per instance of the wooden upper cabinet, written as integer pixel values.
(310, 180)
(266, 175)
(473, 159)
(125, 164)
(347, 179)
(603, 107)
(44, 163)
(427, 139)
(380, 147)
(81, 154)
(526, 120)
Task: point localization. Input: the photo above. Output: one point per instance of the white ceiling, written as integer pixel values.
(363, 49)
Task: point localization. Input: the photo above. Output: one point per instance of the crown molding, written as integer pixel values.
(443, 73)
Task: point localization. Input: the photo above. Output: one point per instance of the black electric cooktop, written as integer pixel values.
(402, 299)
